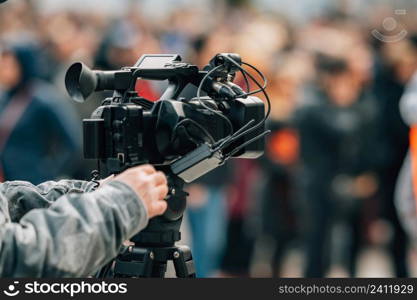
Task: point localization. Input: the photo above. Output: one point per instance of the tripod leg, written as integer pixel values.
(158, 269)
(183, 262)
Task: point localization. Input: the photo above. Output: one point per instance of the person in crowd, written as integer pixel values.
(207, 212)
(241, 232)
(338, 132)
(396, 64)
(279, 215)
(269, 36)
(406, 190)
(39, 131)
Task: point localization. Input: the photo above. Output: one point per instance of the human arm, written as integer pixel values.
(79, 233)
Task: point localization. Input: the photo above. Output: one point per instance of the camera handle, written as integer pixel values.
(174, 89)
(154, 246)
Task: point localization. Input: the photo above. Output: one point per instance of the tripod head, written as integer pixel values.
(164, 231)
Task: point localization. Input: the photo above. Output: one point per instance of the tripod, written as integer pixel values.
(154, 246)
(151, 261)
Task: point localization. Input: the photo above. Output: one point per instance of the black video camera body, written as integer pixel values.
(183, 137)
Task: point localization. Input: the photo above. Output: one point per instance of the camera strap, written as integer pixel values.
(10, 116)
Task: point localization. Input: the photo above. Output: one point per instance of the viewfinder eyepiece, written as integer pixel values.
(80, 82)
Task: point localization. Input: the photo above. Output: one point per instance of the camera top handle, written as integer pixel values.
(165, 67)
(81, 81)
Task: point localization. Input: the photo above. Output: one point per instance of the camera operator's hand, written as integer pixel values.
(150, 185)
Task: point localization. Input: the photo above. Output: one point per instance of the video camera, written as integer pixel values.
(186, 137)
(183, 137)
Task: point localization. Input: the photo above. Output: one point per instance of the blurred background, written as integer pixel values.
(321, 201)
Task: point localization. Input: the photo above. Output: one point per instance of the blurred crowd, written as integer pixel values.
(324, 188)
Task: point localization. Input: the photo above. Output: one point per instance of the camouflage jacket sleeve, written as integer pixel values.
(64, 229)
